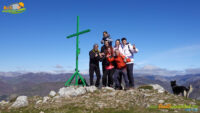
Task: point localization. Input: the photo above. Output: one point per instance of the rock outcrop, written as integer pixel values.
(52, 93)
(21, 101)
(73, 92)
(158, 87)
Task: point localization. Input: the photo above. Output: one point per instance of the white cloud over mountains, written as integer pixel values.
(145, 70)
(154, 70)
(59, 66)
(193, 70)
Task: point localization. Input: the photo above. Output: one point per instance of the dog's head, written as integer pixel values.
(173, 83)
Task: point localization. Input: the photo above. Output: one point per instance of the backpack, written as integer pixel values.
(129, 48)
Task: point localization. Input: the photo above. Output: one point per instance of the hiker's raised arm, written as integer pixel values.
(133, 49)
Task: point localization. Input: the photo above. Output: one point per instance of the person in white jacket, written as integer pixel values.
(128, 50)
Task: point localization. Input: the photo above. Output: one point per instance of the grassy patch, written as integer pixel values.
(146, 87)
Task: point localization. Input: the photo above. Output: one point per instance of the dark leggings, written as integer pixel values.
(108, 74)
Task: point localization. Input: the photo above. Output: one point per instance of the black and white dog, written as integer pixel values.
(181, 89)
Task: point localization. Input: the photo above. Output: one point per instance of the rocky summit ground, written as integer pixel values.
(144, 99)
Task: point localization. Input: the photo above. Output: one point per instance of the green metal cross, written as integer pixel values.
(77, 74)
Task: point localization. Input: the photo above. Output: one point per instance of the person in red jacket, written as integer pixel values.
(109, 69)
(120, 61)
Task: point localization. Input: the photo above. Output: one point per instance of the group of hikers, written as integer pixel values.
(117, 63)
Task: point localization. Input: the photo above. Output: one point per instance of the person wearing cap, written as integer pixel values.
(94, 65)
(128, 50)
(107, 37)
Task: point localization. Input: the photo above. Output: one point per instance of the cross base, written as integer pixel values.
(76, 75)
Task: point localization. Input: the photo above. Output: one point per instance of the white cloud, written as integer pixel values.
(192, 71)
(143, 70)
(150, 67)
(58, 66)
(10, 74)
(154, 70)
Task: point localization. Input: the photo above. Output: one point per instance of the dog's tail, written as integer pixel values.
(190, 90)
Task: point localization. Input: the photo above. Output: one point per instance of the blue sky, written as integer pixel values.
(165, 31)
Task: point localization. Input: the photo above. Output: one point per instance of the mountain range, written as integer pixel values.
(42, 83)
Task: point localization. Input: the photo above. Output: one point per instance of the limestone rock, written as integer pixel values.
(108, 88)
(79, 91)
(161, 101)
(91, 89)
(158, 87)
(66, 91)
(38, 102)
(45, 99)
(21, 101)
(71, 91)
(56, 97)
(52, 93)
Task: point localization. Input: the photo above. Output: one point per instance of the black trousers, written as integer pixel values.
(92, 69)
(130, 74)
(120, 80)
(107, 79)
